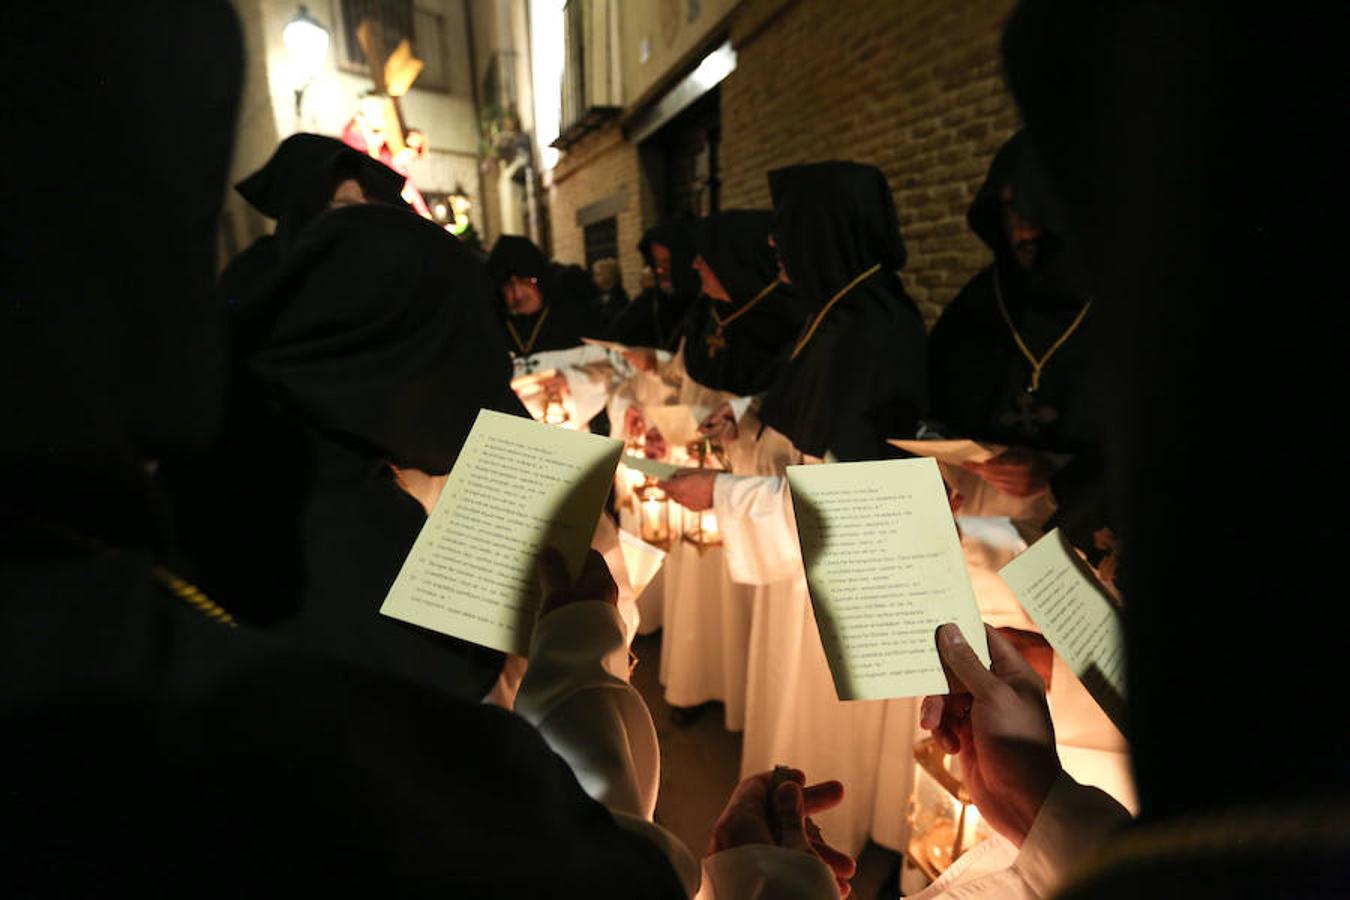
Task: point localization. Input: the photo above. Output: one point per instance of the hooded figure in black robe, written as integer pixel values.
(738, 344)
(294, 187)
(982, 385)
(371, 353)
(543, 305)
(656, 317)
(855, 376)
(610, 299)
(148, 749)
(1206, 191)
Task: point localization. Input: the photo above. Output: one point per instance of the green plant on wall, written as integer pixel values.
(499, 132)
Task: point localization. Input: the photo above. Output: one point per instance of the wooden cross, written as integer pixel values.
(393, 74)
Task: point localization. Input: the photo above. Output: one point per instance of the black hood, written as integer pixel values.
(677, 236)
(860, 378)
(1057, 277)
(375, 332)
(735, 245)
(1016, 163)
(516, 256)
(111, 331)
(832, 222)
(296, 184)
(1191, 146)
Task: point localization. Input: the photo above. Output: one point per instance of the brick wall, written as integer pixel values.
(598, 166)
(911, 86)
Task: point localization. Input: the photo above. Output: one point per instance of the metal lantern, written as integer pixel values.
(700, 526)
(653, 514)
(555, 413)
(943, 822)
(543, 394)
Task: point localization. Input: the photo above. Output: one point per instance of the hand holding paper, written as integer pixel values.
(652, 467)
(1074, 613)
(885, 569)
(954, 452)
(1000, 725)
(692, 488)
(517, 487)
(557, 588)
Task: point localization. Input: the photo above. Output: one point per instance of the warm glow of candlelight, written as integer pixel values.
(711, 533)
(653, 519)
(653, 516)
(554, 412)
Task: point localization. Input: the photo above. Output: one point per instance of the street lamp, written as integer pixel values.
(307, 45)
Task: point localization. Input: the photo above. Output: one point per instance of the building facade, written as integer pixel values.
(471, 99)
(685, 105)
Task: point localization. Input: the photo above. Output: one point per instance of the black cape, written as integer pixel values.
(609, 305)
(978, 376)
(569, 298)
(1200, 181)
(149, 751)
(860, 379)
(655, 318)
(292, 188)
(735, 245)
(372, 349)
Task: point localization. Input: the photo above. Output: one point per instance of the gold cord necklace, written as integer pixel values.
(181, 588)
(1036, 364)
(820, 316)
(192, 595)
(718, 339)
(534, 335)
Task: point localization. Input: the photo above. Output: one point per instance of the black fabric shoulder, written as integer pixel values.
(393, 303)
(245, 764)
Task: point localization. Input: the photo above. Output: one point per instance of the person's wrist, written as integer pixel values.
(1028, 803)
(721, 483)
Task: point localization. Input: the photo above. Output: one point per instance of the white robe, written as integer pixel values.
(577, 695)
(705, 633)
(1073, 824)
(793, 716)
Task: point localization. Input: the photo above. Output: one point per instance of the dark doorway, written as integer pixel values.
(680, 161)
(602, 240)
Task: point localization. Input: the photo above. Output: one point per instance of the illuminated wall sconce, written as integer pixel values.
(307, 46)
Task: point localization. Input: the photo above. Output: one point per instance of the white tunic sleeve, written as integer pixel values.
(759, 531)
(1072, 825)
(576, 693)
(740, 405)
(1074, 822)
(764, 872)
